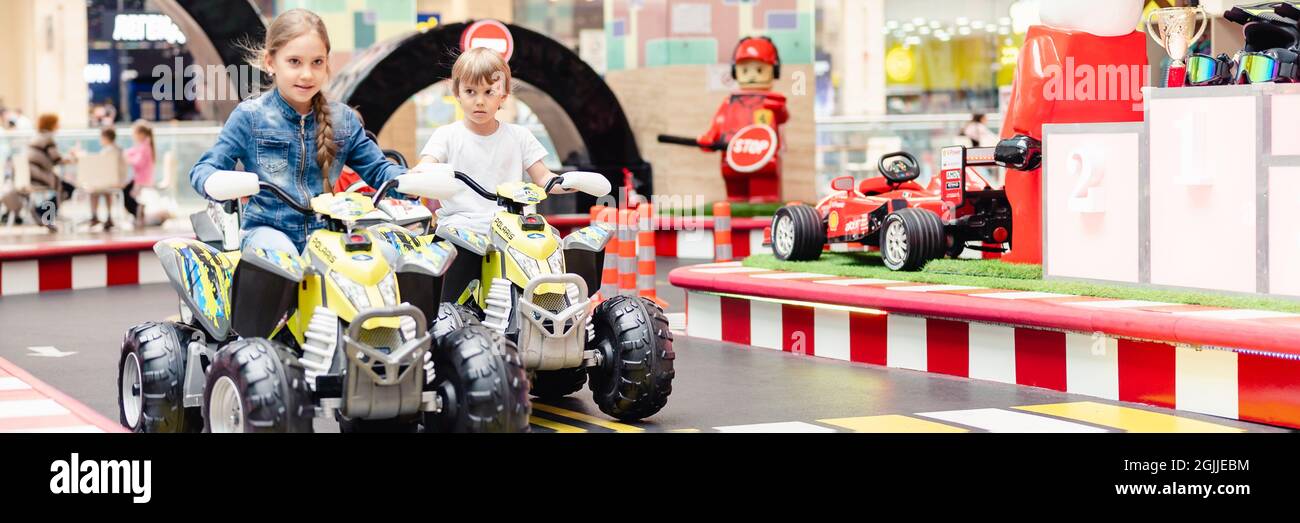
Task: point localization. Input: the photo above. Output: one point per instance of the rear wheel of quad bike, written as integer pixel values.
(636, 373)
(909, 238)
(798, 233)
(151, 380)
(257, 385)
(480, 379)
(556, 384)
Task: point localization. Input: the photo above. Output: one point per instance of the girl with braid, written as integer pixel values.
(291, 136)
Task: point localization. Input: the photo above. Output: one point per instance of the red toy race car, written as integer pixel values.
(910, 224)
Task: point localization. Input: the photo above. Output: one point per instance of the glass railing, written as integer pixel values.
(853, 145)
(177, 147)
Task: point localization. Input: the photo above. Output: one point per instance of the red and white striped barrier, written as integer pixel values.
(1229, 380)
(74, 265)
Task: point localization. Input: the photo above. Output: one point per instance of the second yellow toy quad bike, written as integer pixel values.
(536, 289)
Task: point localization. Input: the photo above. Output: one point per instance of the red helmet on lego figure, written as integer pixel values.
(758, 48)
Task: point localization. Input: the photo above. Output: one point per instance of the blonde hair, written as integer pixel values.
(479, 65)
(142, 127)
(289, 25)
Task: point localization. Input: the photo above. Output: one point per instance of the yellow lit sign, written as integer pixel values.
(900, 66)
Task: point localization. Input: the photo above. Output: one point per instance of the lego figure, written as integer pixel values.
(1083, 64)
(755, 65)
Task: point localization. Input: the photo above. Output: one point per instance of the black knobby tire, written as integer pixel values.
(922, 239)
(160, 350)
(452, 316)
(556, 384)
(480, 378)
(809, 234)
(636, 375)
(271, 384)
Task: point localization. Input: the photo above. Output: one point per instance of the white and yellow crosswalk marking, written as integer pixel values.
(891, 423)
(1079, 416)
(1126, 418)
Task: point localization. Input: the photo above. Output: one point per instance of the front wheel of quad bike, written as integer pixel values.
(798, 233)
(556, 384)
(480, 379)
(636, 372)
(257, 385)
(911, 237)
(151, 380)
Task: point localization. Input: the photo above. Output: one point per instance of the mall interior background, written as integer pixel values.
(879, 75)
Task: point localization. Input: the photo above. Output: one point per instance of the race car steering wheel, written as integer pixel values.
(899, 167)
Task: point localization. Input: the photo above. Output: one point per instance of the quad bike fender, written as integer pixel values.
(584, 253)
(469, 240)
(202, 279)
(416, 254)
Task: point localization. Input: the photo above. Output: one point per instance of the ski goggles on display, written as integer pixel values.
(1204, 69)
(1273, 65)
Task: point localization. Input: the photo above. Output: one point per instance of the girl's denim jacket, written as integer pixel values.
(271, 139)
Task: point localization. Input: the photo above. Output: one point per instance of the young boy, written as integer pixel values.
(489, 151)
(108, 144)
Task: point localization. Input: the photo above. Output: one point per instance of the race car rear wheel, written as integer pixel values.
(798, 233)
(911, 237)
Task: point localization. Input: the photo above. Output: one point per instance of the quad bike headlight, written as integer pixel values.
(388, 289)
(528, 265)
(353, 290)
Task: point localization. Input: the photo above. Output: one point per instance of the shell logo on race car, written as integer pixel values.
(752, 148)
(834, 220)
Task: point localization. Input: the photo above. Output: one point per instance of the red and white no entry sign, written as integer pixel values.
(752, 148)
(491, 34)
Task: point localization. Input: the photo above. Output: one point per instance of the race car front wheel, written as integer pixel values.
(911, 237)
(798, 233)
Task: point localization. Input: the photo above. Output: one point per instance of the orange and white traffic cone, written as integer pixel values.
(609, 271)
(645, 253)
(722, 232)
(627, 222)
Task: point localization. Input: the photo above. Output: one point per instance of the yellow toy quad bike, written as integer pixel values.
(269, 340)
(536, 289)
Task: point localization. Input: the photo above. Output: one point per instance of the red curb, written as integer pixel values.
(1259, 335)
(76, 407)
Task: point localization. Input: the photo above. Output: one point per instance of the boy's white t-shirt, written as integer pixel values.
(504, 156)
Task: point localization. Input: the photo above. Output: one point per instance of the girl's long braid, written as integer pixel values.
(326, 149)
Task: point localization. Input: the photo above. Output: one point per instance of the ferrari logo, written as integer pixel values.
(764, 117)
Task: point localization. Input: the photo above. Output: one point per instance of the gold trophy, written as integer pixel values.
(1176, 30)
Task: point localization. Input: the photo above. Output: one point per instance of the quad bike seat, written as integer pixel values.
(879, 185)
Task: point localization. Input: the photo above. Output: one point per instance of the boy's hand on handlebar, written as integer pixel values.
(591, 183)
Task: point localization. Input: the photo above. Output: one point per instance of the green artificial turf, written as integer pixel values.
(738, 210)
(1018, 277)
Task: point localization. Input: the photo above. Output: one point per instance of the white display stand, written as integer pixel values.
(1200, 195)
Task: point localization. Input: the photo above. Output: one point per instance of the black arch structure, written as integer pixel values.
(386, 76)
(225, 27)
